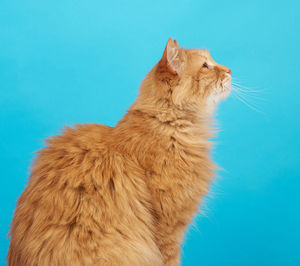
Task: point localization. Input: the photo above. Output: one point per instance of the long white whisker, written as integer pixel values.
(246, 99)
(234, 80)
(243, 88)
(248, 95)
(249, 99)
(248, 104)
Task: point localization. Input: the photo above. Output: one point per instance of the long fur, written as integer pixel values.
(124, 195)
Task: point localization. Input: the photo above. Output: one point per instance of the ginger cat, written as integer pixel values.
(124, 195)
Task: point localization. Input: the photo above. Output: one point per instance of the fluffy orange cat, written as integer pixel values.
(124, 195)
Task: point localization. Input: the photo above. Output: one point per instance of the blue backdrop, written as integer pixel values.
(72, 61)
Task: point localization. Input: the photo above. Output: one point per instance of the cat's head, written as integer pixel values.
(189, 77)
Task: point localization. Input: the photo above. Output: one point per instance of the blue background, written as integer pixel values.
(71, 61)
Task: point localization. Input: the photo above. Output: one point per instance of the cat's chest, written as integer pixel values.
(179, 178)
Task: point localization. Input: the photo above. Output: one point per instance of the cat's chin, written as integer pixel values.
(225, 93)
(216, 97)
(220, 93)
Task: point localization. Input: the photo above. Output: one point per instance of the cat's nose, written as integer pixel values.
(228, 71)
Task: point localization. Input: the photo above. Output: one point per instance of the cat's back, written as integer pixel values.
(58, 173)
(68, 157)
(69, 214)
(83, 137)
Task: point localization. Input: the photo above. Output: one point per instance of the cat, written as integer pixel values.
(124, 195)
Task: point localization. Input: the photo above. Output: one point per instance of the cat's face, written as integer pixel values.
(196, 77)
(212, 81)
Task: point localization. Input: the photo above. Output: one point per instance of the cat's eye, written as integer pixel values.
(205, 65)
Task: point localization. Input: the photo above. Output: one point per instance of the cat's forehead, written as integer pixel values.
(198, 56)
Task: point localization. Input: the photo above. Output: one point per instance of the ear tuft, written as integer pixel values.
(170, 58)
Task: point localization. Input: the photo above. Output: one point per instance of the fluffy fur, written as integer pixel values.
(124, 195)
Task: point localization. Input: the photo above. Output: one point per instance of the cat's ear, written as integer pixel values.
(171, 59)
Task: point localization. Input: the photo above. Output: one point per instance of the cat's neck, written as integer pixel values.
(163, 118)
(147, 133)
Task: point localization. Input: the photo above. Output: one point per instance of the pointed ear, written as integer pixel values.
(170, 59)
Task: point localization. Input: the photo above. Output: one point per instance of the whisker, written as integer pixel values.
(248, 98)
(248, 95)
(243, 100)
(243, 88)
(234, 80)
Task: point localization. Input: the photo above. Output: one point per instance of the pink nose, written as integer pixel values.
(228, 71)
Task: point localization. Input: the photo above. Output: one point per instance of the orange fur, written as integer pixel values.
(124, 195)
